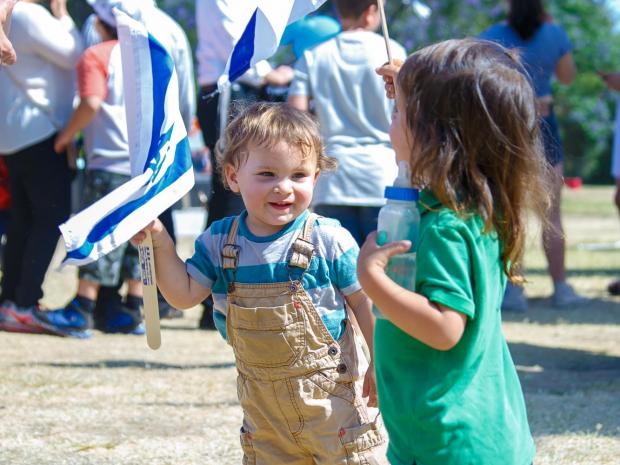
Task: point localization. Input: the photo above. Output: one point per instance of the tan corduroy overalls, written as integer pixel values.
(299, 388)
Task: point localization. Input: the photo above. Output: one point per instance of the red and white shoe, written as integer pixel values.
(14, 319)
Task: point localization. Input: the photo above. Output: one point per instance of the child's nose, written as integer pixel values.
(284, 186)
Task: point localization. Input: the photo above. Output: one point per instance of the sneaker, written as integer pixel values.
(514, 299)
(14, 319)
(565, 296)
(167, 311)
(122, 319)
(71, 321)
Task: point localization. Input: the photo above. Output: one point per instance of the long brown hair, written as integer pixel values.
(475, 137)
(526, 16)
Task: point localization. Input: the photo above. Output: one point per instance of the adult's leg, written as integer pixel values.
(368, 220)
(17, 230)
(553, 233)
(221, 202)
(348, 216)
(47, 185)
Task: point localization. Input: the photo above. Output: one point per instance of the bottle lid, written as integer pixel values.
(407, 194)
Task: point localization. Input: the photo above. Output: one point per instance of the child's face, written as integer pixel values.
(399, 132)
(276, 186)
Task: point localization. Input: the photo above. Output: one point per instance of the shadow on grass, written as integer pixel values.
(613, 273)
(569, 390)
(596, 311)
(134, 364)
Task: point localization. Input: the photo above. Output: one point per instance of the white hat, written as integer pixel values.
(104, 9)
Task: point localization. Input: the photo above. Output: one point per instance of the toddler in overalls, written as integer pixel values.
(282, 280)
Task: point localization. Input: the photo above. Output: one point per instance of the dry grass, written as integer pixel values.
(111, 400)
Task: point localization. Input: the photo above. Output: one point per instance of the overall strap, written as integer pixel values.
(230, 251)
(303, 248)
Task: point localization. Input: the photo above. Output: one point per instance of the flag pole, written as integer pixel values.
(149, 296)
(384, 27)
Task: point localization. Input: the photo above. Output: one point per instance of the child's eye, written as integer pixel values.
(300, 175)
(266, 173)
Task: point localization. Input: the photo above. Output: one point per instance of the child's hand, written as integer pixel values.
(62, 142)
(158, 234)
(374, 257)
(370, 386)
(389, 71)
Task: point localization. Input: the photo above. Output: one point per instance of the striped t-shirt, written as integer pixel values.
(331, 275)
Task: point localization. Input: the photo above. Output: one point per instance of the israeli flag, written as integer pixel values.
(265, 21)
(158, 148)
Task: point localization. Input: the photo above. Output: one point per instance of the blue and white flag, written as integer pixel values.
(158, 148)
(265, 21)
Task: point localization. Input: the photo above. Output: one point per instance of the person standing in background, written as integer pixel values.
(612, 80)
(35, 102)
(546, 52)
(339, 77)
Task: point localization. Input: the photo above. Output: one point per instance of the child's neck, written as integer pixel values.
(349, 25)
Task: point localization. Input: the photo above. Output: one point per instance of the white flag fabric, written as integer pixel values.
(159, 151)
(265, 21)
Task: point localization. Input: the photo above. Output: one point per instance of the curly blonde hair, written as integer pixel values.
(267, 124)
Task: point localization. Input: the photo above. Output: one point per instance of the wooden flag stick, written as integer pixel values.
(384, 27)
(149, 286)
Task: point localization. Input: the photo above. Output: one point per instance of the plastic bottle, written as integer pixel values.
(399, 219)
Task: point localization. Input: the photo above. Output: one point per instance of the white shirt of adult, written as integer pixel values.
(354, 115)
(216, 25)
(36, 98)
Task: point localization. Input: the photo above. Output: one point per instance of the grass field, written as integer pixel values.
(111, 400)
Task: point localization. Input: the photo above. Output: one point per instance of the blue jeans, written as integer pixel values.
(359, 221)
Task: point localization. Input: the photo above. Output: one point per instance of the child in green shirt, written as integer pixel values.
(466, 123)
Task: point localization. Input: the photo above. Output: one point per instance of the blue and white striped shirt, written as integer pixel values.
(331, 275)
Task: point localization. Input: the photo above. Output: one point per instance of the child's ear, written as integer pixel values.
(317, 173)
(231, 177)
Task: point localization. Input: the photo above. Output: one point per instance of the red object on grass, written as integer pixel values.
(573, 183)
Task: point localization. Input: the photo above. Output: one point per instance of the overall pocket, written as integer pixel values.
(266, 336)
(249, 456)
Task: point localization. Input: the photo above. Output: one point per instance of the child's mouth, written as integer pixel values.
(280, 205)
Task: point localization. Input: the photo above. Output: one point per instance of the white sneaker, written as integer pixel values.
(514, 299)
(565, 296)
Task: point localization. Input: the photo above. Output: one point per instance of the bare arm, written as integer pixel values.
(301, 102)
(59, 42)
(435, 325)
(566, 70)
(82, 116)
(361, 307)
(7, 53)
(177, 287)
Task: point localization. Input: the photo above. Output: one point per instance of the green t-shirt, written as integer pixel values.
(463, 406)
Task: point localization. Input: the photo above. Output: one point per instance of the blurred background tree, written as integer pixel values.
(585, 109)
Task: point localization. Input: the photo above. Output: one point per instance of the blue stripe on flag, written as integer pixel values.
(243, 51)
(162, 67)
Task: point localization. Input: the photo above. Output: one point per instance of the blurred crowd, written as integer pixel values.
(62, 108)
